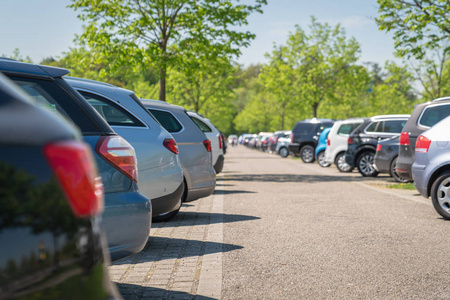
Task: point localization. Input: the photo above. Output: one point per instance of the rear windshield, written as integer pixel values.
(433, 114)
(167, 120)
(203, 127)
(303, 128)
(346, 129)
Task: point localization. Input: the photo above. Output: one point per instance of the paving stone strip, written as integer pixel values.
(182, 259)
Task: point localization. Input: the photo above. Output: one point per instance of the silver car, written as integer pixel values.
(195, 148)
(159, 169)
(431, 168)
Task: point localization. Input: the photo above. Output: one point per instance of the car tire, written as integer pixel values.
(440, 195)
(394, 174)
(284, 152)
(307, 154)
(321, 160)
(341, 165)
(365, 164)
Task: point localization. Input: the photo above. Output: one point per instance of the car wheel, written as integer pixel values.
(365, 164)
(284, 152)
(321, 160)
(307, 154)
(341, 164)
(394, 173)
(440, 195)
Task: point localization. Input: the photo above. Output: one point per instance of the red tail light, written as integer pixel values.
(76, 171)
(120, 154)
(292, 137)
(328, 142)
(220, 141)
(422, 144)
(349, 141)
(404, 139)
(207, 144)
(378, 147)
(171, 145)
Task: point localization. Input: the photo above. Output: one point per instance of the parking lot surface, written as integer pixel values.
(281, 229)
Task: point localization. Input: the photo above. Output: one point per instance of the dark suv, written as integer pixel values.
(362, 142)
(305, 135)
(423, 117)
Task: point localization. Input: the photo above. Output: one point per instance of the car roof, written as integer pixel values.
(385, 117)
(11, 66)
(315, 120)
(161, 104)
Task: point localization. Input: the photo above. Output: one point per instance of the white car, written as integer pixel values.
(214, 136)
(337, 142)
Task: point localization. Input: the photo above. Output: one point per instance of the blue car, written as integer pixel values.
(321, 146)
(127, 214)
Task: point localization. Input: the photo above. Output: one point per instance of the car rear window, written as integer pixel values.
(346, 129)
(53, 97)
(303, 128)
(433, 114)
(203, 127)
(167, 120)
(112, 113)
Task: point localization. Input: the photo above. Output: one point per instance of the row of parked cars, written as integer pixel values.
(80, 158)
(408, 147)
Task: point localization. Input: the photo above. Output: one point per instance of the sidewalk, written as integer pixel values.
(183, 258)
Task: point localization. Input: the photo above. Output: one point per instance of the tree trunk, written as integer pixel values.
(315, 107)
(162, 83)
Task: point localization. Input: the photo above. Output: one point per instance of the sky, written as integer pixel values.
(45, 28)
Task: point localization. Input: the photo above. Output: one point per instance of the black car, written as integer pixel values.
(363, 140)
(386, 158)
(423, 117)
(304, 137)
(50, 201)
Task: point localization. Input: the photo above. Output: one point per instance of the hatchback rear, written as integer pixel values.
(195, 149)
(159, 169)
(127, 215)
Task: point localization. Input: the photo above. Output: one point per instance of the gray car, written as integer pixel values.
(431, 168)
(159, 168)
(386, 156)
(195, 148)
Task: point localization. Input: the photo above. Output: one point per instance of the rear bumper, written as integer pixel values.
(168, 203)
(127, 222)
(195, 194)
(294, 148)
(218, 167)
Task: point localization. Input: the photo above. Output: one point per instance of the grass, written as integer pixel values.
(402, 186)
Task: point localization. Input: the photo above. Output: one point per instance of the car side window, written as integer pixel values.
(393, 126)
(433, 114)
(112, 113)
(372, 127)
(167, 120)
(203, 127)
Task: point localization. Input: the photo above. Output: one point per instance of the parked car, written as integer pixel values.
(386, 156)
(431, 168)
(423, 117)
(159, 169)
(194, 148)
(337, 143)
(233, 140)
(320, 149)
(363, 141)
(50, 197)
(127, 215)
(273, 140)
(282, 147)
(304, 137)
(214, 136)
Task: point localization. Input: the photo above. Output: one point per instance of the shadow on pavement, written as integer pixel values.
(201, 218)
(162, 248)
(297, 178)
(223, 184)
(135, 291)
(226, 192)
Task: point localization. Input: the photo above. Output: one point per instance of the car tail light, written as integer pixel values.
(328, 142)
(378, 147)
(207, 144)
(120, 154)
(171, 145)
(404, 139)
(75, 170)
(292, 137)
(422, 144)
(350, 141)
(220, 141)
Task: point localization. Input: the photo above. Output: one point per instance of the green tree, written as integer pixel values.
(162, 33)
(417, 25)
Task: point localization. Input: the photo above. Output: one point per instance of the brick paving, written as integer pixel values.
(183, 258)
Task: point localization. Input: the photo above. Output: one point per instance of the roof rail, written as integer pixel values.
(89, 80)
(441, 99)
(390, 116)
